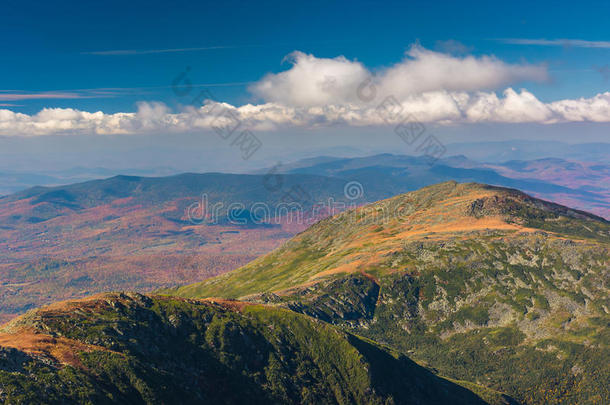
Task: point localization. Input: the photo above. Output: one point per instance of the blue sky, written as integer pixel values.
(101, 72)
(50, 46)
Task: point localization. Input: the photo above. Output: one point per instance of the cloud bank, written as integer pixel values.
(426, 86)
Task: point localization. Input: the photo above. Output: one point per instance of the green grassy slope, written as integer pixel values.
(482, 283)
(372, 229)
(131, 348)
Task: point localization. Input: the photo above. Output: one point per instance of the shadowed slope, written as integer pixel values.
(140, 349)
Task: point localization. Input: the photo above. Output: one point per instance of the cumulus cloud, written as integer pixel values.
(313, 81)
(427, 86)
(513, 107)
(596, 109)
(424, 70)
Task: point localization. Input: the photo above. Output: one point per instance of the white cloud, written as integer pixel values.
(425, 70)
(427, 86)
(438, 106)
(513, 107)
(596, 109)
(313, 81)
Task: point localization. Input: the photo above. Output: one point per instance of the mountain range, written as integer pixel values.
(453, 293)
(578, 184)
(130, 232)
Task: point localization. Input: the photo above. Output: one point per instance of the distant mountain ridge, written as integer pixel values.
(520, 149)
(15, 181)
(132, 232)
(582, 185)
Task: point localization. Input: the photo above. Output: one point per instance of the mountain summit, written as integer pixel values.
(368, 238)
(483, 283)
